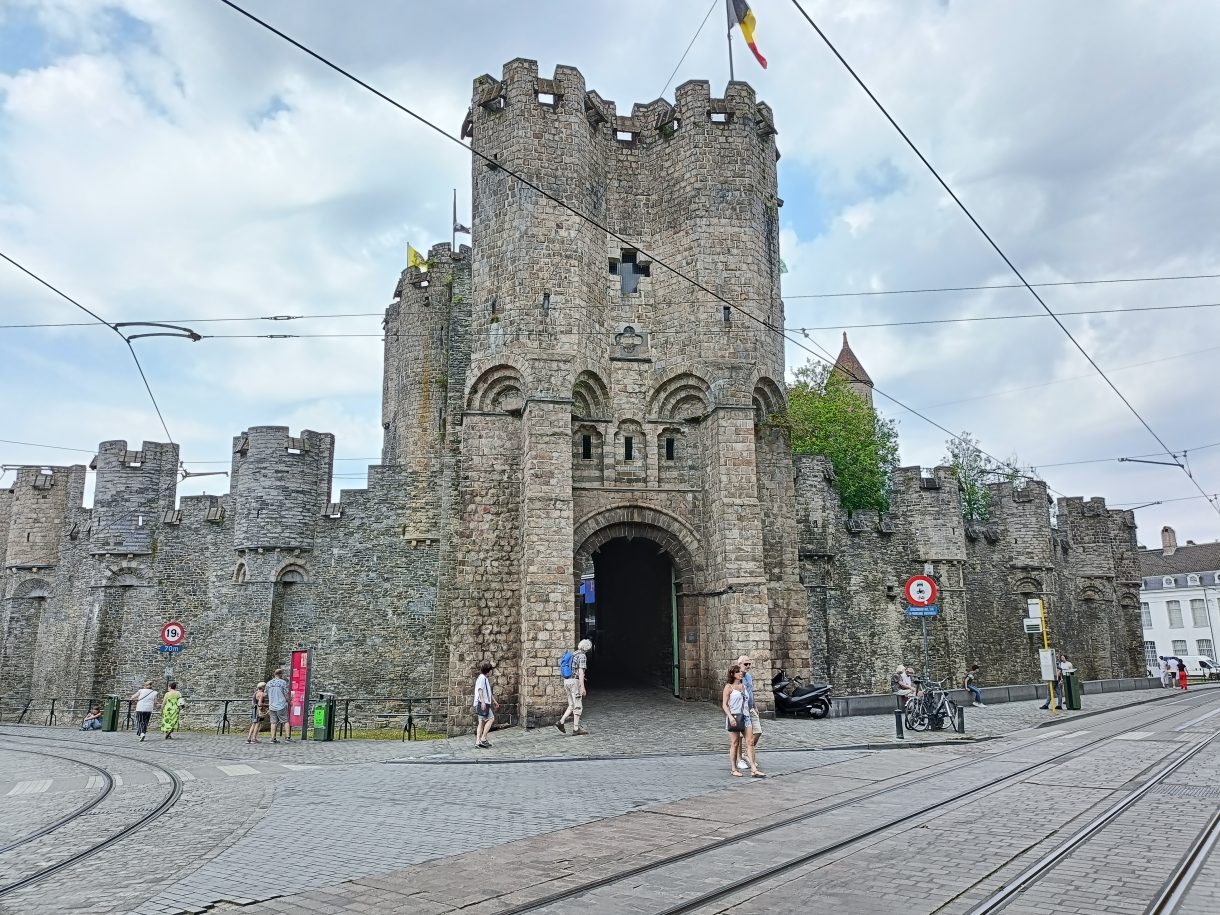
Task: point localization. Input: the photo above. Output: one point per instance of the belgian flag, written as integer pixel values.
(745, 19)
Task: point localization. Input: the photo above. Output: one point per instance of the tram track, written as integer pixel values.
(107, 787)
(1172, 894)
(787, 865)
(1029, 877)
(42, 873)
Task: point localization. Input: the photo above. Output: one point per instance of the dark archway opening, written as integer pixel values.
(631, 621)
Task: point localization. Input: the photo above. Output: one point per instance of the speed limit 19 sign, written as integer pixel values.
(172, 633)
(920, 591)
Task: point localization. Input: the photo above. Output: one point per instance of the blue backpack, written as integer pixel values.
(565, 665)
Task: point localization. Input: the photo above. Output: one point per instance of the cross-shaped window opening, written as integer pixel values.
(629, 270)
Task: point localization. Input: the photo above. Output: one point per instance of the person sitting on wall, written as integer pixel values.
(901, 683)
(93, 721)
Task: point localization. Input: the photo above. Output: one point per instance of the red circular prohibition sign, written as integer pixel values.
(173, 633)
(920, 591)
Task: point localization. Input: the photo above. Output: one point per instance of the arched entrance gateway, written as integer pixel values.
(635, 600)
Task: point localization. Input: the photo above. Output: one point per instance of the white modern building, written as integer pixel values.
(1180, 598)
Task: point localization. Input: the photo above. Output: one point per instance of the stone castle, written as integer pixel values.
(577, 441)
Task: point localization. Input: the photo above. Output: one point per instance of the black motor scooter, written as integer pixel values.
(792, 697)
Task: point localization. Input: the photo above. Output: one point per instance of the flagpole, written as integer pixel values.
(453, 227)
(728, 14)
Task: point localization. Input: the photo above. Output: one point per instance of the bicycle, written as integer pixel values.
(929, 707)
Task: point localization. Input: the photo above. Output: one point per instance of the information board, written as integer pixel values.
(298, 686)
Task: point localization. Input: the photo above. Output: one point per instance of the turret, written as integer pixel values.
(280, 486)
(692, 183)
(418, 337)
(131, 492)
(41, 497)
(849, 367)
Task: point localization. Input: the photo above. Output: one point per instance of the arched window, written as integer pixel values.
(239, 574)
(292, 575)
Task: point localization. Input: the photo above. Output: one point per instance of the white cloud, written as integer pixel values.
(174, 161)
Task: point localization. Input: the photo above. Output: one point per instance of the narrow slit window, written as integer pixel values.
(586, 447)
(669, 449)
(628, 448)
(718, 117)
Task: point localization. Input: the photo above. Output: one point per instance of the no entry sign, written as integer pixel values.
(920, 591)
(172, 633)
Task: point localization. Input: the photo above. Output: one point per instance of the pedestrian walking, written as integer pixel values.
(737, 720)
(747, 681)
(970, 682)
(1182, 675)
(1062, 667)
(484, 706)
(171, 709)
(277, 705)
(93, 721)
(258, 704)
(145, 699)
(572, 667)
(1171, 668)
(1163, 664)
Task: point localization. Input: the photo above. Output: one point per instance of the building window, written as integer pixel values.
(1174, 609)
(1167, 581)
(1198, 613)
(1179, 647)
(1192, 581)
(586, 447)
(669, 449)
(1150, 657)
(1205, 648)
(628, 448)
(1146, 616)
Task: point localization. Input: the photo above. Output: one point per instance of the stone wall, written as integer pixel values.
(854, 567)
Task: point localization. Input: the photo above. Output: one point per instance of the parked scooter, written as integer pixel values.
(792, 697)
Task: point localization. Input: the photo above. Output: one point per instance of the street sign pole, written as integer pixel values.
(1046, 645)
(924, 622)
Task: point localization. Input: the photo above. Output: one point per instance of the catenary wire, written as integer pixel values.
(991, 241)
(378, 314)
(698, 31)
(100, 320)
(579, 214)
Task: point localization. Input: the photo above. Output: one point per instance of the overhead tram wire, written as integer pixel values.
(377, 314)
(698, 31)
(100, 320)
(517, 176)
(991, 241)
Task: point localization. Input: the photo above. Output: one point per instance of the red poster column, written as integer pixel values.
(298, 684)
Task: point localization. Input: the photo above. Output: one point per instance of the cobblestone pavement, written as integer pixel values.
(329, 827)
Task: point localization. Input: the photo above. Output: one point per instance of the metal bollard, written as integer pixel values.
(961, 720)
(898, 718)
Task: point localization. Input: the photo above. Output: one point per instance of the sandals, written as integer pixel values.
(735, 774)
(758, 775)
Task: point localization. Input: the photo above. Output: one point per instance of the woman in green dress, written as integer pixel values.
(171, 710)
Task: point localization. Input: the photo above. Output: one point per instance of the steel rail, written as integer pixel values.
(165, 804)
(1030, 875)
(107, 787)
(1173, 891)
(713, 895)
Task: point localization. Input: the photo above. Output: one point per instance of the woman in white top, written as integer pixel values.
(145, 699)
(737, 715)
(484, 703)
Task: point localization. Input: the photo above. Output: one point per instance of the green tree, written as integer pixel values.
(974, 470)
(825, 416)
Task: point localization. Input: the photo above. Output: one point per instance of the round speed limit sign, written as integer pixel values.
(173, 633)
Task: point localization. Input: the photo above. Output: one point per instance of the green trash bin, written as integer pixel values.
(1071, 690)
(110, 713)
(324, 717)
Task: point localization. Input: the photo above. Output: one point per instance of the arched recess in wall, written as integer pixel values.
(292, 614)
(500, 389)
(239, 573)
(127, 612)
(684, 397)
(590, 414)
(20, 635)
(590, 397)
(292, 573)
(768, 400)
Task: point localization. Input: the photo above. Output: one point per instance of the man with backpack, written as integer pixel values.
(572, 668)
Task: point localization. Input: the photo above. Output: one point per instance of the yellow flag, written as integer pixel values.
(415, 259)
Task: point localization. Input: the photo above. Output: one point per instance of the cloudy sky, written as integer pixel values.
(171, 161)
